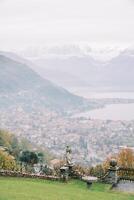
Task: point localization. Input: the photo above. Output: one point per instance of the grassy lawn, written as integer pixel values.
(33, 189)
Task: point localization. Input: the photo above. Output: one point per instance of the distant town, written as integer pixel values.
(91, 140)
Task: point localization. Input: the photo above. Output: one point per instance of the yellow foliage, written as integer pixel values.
(7, 162)
(126, 158)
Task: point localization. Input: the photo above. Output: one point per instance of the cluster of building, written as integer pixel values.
(92, 141)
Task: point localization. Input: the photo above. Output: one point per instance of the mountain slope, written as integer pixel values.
(82, 68)
(118, 73)
(24, 85)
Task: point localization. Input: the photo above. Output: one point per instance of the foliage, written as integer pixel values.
(40, 157)
(97, 171)
(10, 144)
(7, 162)
(29, 157)
(126, 158)
(81, 170)
(47, 170)
(58, 166)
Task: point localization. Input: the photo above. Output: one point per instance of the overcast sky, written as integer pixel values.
(26, 23)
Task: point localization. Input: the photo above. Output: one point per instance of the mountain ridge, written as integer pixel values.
(116, 73)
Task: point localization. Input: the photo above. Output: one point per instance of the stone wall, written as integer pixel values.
(27, 175)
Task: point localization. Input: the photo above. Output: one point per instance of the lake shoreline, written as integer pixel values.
(109, 107)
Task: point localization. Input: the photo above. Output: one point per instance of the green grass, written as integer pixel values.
(33, 189)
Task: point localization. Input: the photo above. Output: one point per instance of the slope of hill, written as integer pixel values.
(83, 69)
(120, 71)
(25, 85)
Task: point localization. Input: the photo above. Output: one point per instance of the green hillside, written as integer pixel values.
(31, 189)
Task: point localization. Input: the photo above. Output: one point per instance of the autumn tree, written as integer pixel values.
(7, 162)
(126, 158)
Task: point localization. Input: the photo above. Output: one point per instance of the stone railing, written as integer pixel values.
(114, 174)
(125, 173)
(27, 175)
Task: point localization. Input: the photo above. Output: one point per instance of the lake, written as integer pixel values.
(112, 111)
(89, 93)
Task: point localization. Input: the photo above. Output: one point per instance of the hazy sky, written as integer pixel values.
(39, 22)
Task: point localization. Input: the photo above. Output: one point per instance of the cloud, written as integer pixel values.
(56, 21)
